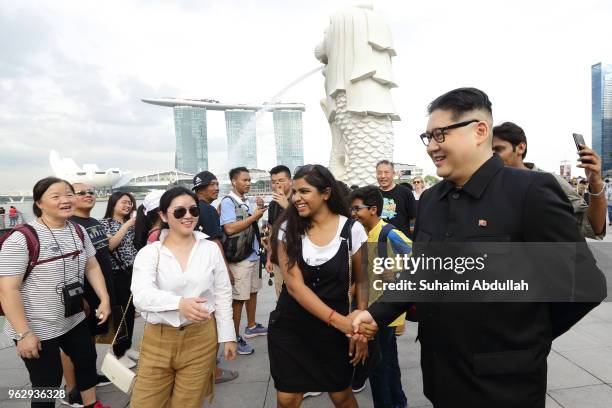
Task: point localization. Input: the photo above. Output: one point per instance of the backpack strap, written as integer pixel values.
(32, 243)
(346, 232)
(382, 240)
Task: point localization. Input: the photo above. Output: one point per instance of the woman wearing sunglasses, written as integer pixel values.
(182, 288)
(418, 186)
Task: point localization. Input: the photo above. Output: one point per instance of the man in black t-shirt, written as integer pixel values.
(206, 187)
(399, 207)
(280, 176)
(85, 202)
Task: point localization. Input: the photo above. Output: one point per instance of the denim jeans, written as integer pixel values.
(386, 379)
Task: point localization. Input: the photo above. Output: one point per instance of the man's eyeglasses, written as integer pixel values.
(356, 208)
(439, 133)
(180, 212)
(82, 193)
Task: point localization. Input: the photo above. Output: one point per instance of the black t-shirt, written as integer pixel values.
(100, 242)
(399, 207)
(274, 212)
(208, 222)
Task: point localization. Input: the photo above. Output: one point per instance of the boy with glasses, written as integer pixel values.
(385, 379)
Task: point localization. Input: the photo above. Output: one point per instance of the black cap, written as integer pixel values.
(203, 179)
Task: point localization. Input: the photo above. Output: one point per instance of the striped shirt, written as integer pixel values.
(41, 293)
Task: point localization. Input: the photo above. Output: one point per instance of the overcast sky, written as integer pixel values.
(72, 73)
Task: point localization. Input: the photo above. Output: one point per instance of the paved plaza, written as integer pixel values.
(579, 368)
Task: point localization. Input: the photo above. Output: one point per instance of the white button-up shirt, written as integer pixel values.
(157, 290)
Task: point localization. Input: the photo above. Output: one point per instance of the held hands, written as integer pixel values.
(103, 312)
(29, 346)
(229, 350)
(363, 325)
(191, 308)
(358, 351)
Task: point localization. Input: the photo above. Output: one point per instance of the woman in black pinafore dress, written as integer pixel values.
(307, 342)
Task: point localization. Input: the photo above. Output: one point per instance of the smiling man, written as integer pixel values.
(510, 144)
(485, 354)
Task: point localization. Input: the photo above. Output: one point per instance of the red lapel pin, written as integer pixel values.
(482, 223)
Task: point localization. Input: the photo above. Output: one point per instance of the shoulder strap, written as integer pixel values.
(382, 240)
(236, 203)
(32, 242)
(347, 232)
(79, 231)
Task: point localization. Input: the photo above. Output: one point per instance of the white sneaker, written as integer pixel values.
(133, 354)
(128, 362)
(311, 394)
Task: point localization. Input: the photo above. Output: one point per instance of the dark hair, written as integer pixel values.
(40, 188)
(171, 194)
(511, 133)
(407, 185)
(386, 162)
(143, 225)
(370, 195)
(460, 101)
(321, 178)
(280, 169)
(236, 171)
(354, 187)
(112, 202)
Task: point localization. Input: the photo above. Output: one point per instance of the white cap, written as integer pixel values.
(151, 200)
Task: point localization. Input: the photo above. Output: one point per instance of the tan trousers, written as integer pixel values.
(177, 366)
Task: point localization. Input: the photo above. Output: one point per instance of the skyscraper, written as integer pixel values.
(601, 75)
(191, 139)
(288, 136)
(241, 138)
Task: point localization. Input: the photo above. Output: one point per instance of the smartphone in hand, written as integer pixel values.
(579, 140)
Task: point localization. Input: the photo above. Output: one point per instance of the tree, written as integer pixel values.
(431, 180)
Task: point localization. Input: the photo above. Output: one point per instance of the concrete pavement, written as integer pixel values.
(579, 368)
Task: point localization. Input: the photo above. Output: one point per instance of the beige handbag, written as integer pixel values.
(120, 375)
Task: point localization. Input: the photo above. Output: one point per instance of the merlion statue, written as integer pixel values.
(357, 50)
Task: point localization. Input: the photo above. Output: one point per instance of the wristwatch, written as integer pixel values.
(20, 336)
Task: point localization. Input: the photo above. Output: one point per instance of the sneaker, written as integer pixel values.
(72, 398)
(133, 354)
(244, 348)
(103, 380)
(311, 394)
(226, 375)
(357, 388)
(258, 330)
(128, 362)
(99, 404)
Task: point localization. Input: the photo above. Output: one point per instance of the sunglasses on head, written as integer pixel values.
(82, 193)
(180, 212)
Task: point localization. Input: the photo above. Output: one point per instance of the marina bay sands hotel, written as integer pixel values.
(240, 123)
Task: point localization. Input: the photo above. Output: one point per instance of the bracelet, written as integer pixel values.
(600, 192)
(330, 316)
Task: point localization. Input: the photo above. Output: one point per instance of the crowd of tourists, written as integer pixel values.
(188, 262)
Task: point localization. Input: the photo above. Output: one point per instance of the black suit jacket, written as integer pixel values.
(491, 354)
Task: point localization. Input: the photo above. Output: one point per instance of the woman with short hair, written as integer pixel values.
(45, 309)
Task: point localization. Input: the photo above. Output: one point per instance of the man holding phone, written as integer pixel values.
(280, 177)
(510, 144)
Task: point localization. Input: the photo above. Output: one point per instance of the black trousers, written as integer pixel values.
(122, 281)
(46, 371)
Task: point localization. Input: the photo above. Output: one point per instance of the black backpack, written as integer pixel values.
(239, 246)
